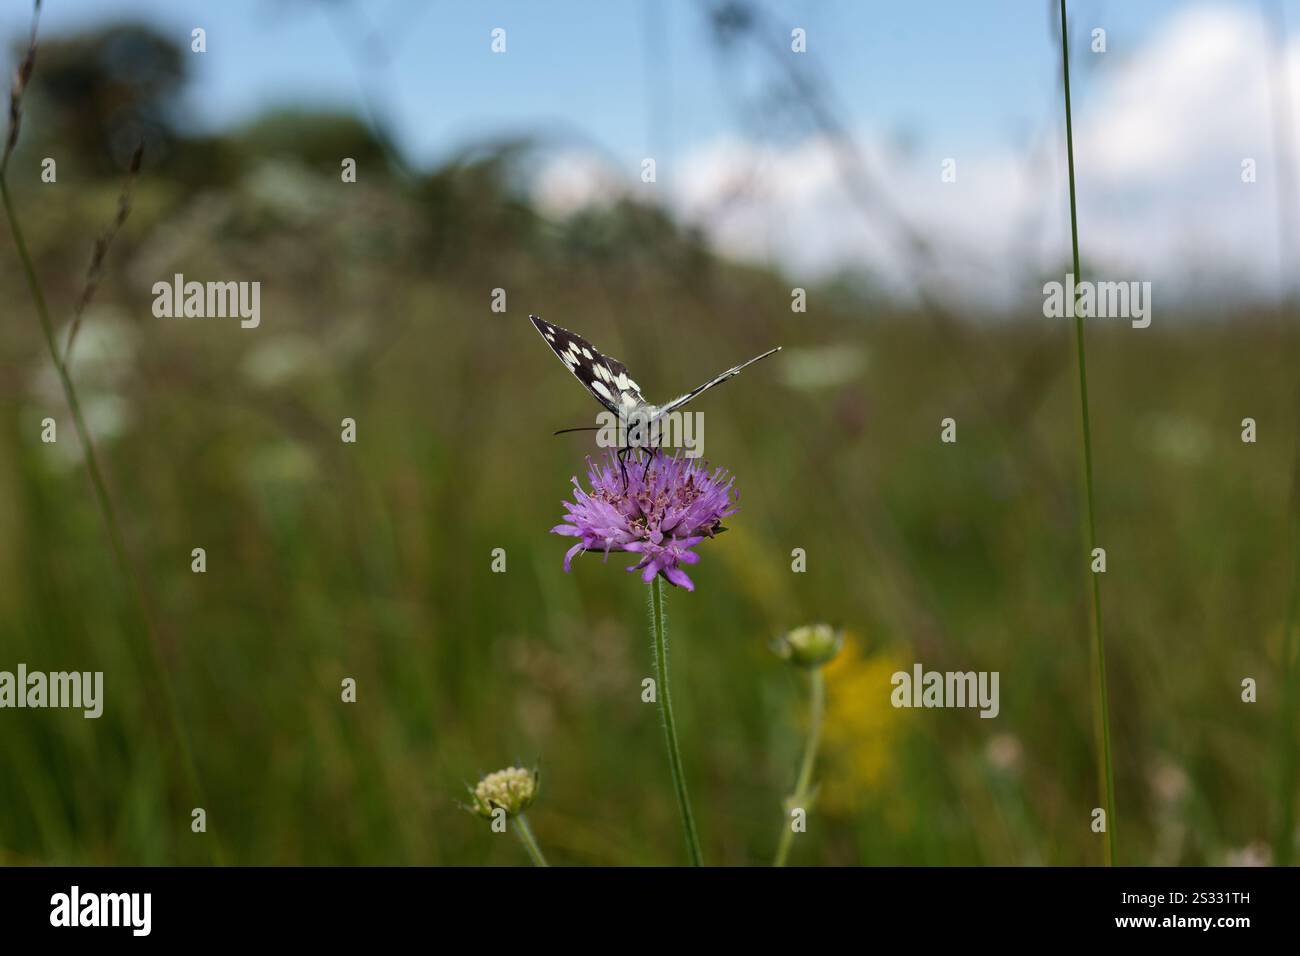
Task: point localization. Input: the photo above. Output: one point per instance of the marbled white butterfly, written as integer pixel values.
(609, 383)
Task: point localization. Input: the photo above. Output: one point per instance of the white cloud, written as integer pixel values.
(573, 179)
(1199, 87)
(1160, 136)
(792, 206)
(1160, 153)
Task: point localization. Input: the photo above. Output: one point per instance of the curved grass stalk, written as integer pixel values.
(112, 525)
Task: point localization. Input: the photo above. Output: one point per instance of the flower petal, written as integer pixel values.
(678, 577)
(568, 556)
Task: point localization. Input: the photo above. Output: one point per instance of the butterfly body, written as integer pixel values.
(608, 381)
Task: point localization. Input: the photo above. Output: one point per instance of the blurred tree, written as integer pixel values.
(478, 200)
(104, 92)
(321, 140)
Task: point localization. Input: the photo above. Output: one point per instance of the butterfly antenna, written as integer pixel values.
(585, 428)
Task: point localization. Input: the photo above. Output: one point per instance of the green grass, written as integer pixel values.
(373, 560)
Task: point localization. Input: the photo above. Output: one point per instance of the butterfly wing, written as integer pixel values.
(717, 380)
(606, 378)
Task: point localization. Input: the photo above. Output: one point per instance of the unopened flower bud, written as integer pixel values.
(809, 646)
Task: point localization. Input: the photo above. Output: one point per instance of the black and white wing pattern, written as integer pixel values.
(716, 380)
(606, 378)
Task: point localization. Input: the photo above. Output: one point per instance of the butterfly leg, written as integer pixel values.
(649, 457)
(622, 456)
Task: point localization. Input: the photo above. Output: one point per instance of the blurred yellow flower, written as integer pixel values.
(862, 727)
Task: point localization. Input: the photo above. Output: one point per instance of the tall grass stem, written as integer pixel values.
(1284, 836)
(1105, 763)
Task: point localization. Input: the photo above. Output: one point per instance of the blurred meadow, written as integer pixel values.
(372, 560)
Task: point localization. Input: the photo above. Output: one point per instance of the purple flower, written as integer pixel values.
(660, 518)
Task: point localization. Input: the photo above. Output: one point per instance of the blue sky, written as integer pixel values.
(1164, 119)
(968, 70)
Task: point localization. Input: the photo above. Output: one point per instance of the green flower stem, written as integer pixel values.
(803, 785)
(1105, 764)
(525, 834)
(659, 632)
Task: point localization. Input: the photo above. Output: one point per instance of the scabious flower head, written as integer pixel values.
(512, 789)
(660, 517)
(809, 646)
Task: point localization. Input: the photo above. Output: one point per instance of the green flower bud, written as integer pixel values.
(809, 646)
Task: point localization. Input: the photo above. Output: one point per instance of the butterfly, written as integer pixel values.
(608, 382)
